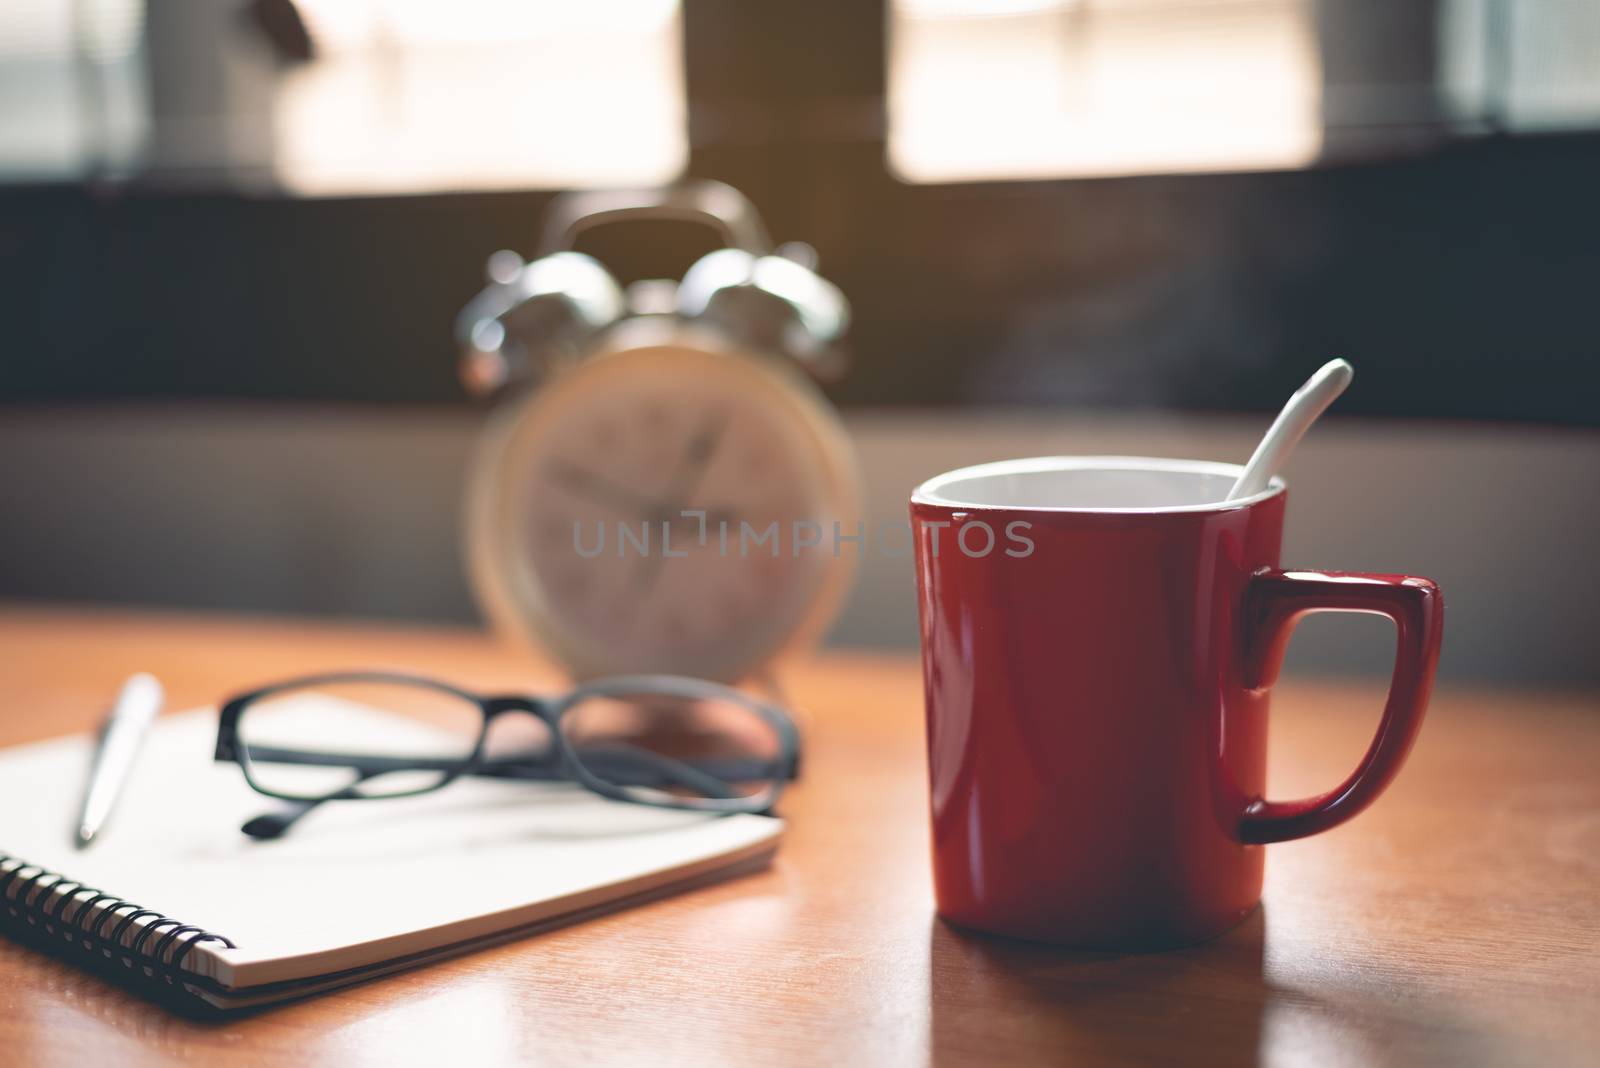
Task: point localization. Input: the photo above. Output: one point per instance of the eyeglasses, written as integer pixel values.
(657, 740)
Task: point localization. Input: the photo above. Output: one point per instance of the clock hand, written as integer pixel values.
(702, 520)
(602, 491)
(645, 577)
(650, 566)
(696, 458)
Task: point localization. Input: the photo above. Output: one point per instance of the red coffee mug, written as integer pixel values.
(1099, 635)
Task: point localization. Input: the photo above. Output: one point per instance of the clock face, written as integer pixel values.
(666, 509)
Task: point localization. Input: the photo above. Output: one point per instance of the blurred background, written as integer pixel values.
(234, 236)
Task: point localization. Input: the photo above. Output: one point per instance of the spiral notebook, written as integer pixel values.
(175, 902)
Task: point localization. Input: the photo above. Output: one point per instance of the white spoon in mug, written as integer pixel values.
(1308, 402)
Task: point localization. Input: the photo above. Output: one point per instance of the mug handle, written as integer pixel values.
(1274, 602)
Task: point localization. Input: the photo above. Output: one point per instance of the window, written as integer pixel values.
(72, 91)
(1525, 66)
(403, 96)
(413, 95)
(1014, 89)
(1053, 88)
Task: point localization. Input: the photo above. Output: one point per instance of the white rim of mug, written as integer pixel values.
(929, 492)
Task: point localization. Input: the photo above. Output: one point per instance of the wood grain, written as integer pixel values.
(1458, 922)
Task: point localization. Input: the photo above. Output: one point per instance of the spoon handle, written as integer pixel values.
(1308, 402)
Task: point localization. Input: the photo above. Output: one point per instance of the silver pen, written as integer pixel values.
(137, 705)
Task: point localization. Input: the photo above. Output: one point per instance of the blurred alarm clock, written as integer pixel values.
(663, 487)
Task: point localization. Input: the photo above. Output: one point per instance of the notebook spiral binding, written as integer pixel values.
(61, 914)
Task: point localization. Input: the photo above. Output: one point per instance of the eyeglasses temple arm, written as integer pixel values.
(271, 825)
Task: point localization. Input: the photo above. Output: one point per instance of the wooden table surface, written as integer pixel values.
(1457, 922)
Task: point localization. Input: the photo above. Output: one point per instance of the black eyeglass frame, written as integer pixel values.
(231, 749)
